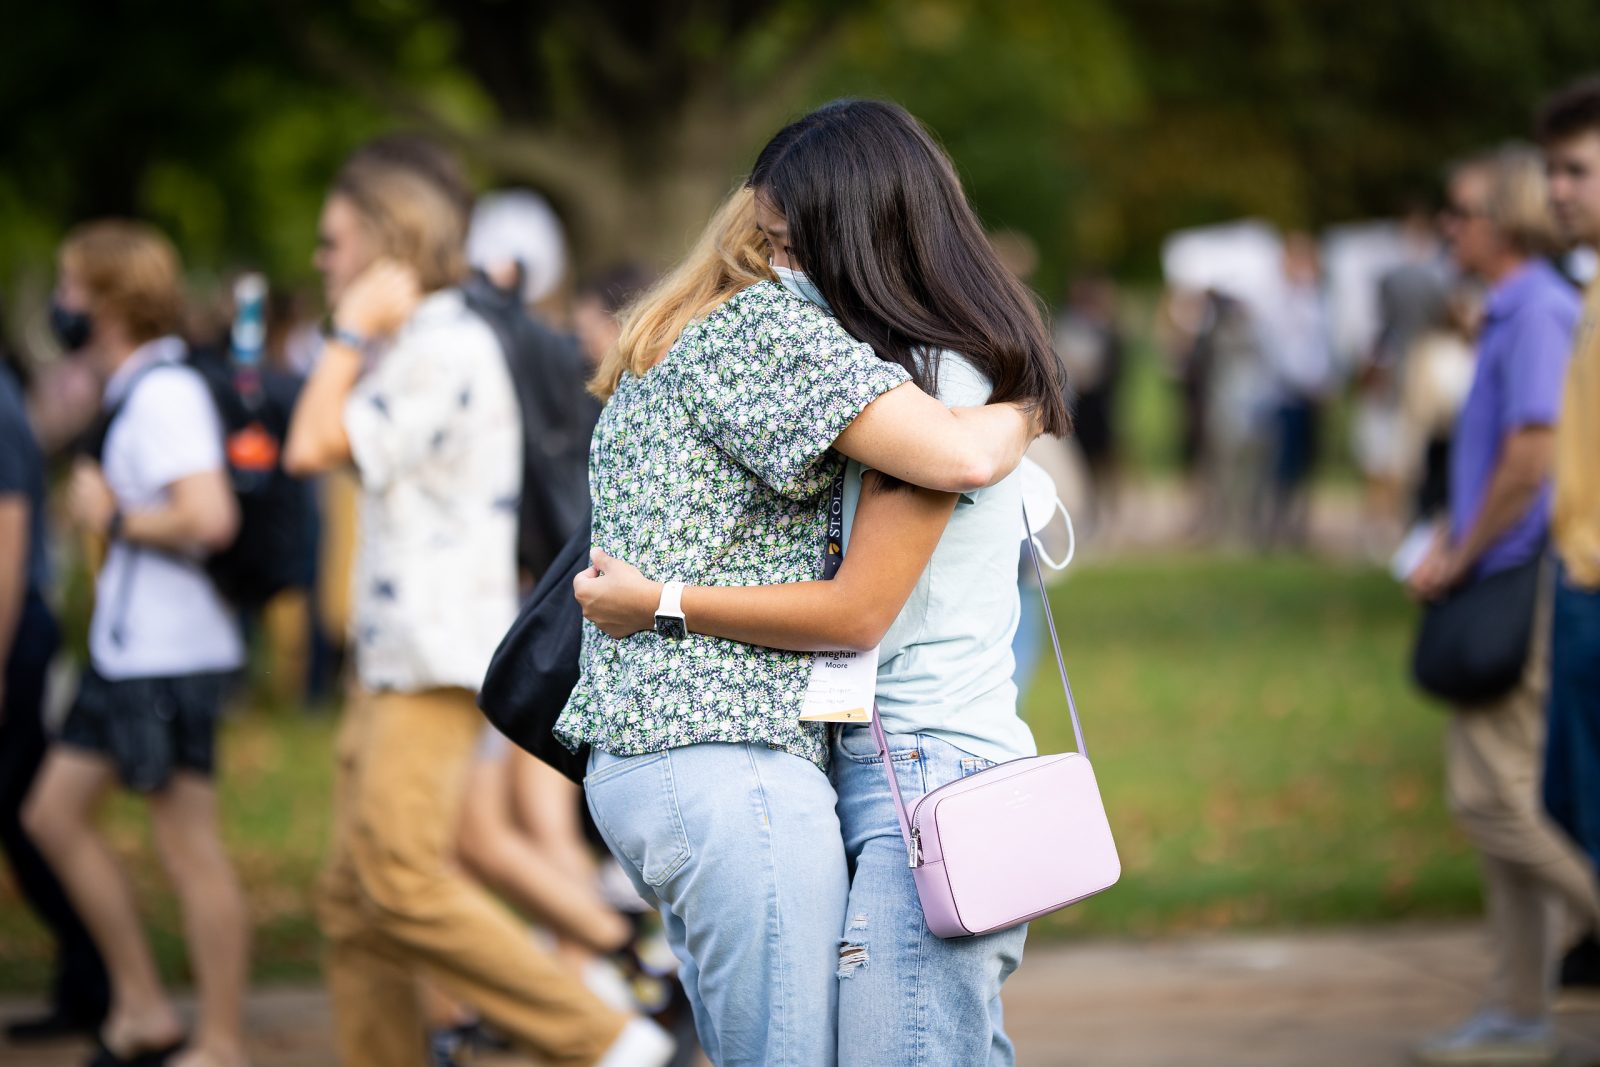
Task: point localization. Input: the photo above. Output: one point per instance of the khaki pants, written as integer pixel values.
(1540, 890)
(393, 904)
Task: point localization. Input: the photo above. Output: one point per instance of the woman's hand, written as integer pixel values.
(90, 501)
(615, 596)
(380, 300)
(1006, 429)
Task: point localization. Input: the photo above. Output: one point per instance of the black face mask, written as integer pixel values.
(72, 328)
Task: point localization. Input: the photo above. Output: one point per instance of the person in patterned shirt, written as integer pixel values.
(413, 390)
(712, 466)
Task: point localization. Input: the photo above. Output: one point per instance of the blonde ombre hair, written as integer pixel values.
(729, 256)
(410, 218)
(131, 273)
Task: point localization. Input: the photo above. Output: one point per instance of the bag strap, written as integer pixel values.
(102, 433)
(912, 840)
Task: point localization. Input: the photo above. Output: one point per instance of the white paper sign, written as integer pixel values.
(1413, 550)
(842, 687)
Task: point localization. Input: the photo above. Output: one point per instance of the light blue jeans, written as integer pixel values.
(907, 997)
(740, 845)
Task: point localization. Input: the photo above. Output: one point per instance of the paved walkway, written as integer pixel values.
(1339, 999)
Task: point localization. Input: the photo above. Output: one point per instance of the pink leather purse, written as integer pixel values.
(1011, 843)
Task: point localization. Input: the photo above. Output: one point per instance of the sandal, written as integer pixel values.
(154, 1057)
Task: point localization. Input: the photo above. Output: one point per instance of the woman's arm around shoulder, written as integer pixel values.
(912, 436)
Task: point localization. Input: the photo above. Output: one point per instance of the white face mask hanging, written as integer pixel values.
(1040, 504)
(798, 283)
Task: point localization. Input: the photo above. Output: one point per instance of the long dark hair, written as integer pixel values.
(878, 220)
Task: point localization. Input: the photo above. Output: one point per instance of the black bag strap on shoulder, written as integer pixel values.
(94, 446)
(548, 373)
(93, 442)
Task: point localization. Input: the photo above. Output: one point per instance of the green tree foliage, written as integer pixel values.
(1096, 126)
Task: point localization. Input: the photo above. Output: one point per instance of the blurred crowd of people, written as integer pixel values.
(1474, 422)
(208, 449)
(1260, 370)
(214, 504)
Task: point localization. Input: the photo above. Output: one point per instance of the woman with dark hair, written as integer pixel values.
(864, 217)
(731, 404)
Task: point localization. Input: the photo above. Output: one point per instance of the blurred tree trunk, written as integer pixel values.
(633, 119)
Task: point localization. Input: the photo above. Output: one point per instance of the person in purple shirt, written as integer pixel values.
(1500, 227)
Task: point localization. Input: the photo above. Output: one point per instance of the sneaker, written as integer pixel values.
(641, 1044)
(1490, 1039)
(608, 983)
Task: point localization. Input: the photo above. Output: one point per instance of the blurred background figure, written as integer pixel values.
(598, 303)
(1437, 376)
(163, 648)
(1089, 340)
(515, 248)
(517, 241)
(1540, 891)
(79, 994)
(1569, 131)
(1222, 284)
(1298, 351)
(1411, 301)
(415, 389)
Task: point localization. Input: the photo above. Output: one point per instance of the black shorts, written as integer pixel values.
(149, 727)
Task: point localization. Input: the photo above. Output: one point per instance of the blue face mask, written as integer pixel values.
(800, 285)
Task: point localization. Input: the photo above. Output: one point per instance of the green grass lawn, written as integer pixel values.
(1262, 757)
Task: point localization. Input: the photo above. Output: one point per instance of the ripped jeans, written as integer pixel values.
(907, 997)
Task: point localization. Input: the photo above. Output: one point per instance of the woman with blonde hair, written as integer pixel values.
(720, 460)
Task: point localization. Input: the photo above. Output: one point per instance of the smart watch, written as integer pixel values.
(359, 343)
(669, 614)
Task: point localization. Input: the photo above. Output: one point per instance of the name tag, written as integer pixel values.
(842, 687)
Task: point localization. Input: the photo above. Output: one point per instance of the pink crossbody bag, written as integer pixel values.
(1011, 843)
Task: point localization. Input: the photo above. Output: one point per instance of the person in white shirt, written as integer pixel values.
(163, 645)
(415, 392)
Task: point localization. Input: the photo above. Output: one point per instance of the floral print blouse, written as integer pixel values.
(715, 468)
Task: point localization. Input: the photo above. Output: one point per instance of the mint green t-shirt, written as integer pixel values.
(945, 665)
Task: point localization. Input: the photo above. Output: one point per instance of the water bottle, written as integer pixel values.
(252, 449)
(249, 336)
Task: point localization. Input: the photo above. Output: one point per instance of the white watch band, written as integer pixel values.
(671, 600)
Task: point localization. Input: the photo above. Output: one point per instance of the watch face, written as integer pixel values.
(671, 626)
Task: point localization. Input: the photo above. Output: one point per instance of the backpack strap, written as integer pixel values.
(95, 447)
(93, 443)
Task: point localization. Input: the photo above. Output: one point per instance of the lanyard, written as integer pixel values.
(833, 545)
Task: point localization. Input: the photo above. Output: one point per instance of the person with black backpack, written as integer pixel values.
(414, 391)
(164, 644)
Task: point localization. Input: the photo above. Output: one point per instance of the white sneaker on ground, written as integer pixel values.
(1490, 1039)
(641, 1044)
(607, 983)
